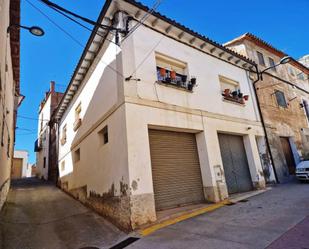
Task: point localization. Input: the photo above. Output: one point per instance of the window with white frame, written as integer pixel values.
(78, 120)
(63, 139)
(226, 83)
(171, 70)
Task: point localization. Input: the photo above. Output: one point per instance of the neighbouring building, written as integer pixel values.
(165, 119)
(46, 135)
(304, 60)
(20, 166)
(283, 96)
(33, 170)
(9, 88)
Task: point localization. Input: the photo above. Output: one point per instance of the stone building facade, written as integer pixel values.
(283, 95)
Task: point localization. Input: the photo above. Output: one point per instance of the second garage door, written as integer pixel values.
(235, 164)
(176, 170)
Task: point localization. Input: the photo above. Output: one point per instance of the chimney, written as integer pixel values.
(52, 87)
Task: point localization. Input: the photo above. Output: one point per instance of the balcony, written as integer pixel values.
(235, 96)
(174, 79)
(37, 145)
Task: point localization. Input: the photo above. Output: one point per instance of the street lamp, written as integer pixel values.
(35, 30)
(283, 60)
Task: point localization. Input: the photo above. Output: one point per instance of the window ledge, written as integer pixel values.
(63, 141)
(172, 85)
(233, 101)
(77, 124)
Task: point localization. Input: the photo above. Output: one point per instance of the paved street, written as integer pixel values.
(40, 216)
(277, 216)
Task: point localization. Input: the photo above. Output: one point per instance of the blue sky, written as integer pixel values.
(54, 56)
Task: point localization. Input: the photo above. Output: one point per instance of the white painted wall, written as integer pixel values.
(26, 168)
(43, 135)
(206, 96)
(6, 102)
(100, 166)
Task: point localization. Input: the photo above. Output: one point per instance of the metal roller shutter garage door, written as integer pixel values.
(235, 163)
(176, 170)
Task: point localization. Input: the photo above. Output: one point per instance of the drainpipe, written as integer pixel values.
(262, 120)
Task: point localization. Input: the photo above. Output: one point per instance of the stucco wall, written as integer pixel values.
(26, 168)
(206, 96)
(43, 136)
(6, 102)
(206, 129)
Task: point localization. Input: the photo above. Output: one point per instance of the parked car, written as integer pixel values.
(302, 171)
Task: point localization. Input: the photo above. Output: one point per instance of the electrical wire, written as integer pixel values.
(79, 23)
(106, 64)
(58, 26)
(31, 118)
(53, 5)
(146, 57)
(144, 18)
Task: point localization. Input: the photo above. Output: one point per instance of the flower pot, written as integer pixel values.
(173, 75)
(240, 95)
(234, 94)
(168, 80)
(162, 72)
(246, 97)
(227, 92)
(242, 101)
(184, 78)
(193, 81)
(190, 87)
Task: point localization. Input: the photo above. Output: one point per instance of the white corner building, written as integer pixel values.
(163, 119)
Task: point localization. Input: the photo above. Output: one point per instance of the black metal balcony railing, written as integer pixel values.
(37, 145)
(172, 78)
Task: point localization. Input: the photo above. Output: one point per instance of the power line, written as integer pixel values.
(145, 58)
(144, 18)
(117, 72)
(79, 23)
(31, 118)
(58, 26)
(55, 6)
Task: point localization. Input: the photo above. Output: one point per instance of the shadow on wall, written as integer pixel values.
(100, 175)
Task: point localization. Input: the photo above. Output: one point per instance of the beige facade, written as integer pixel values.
(283, 96)
(9, 90)
(45, 133)
(116, 103)
(20, 166)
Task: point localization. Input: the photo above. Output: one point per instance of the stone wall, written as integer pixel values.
(4, 189)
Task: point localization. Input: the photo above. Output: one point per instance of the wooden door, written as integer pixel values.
(288, 154)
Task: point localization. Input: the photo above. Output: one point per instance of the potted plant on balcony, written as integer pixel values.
(184, 78)
(173, 75)
(240, 94)
(190, 86)
(246, 97)
(162, 72)
(227, 92)
(193, 81)
(234, 94)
